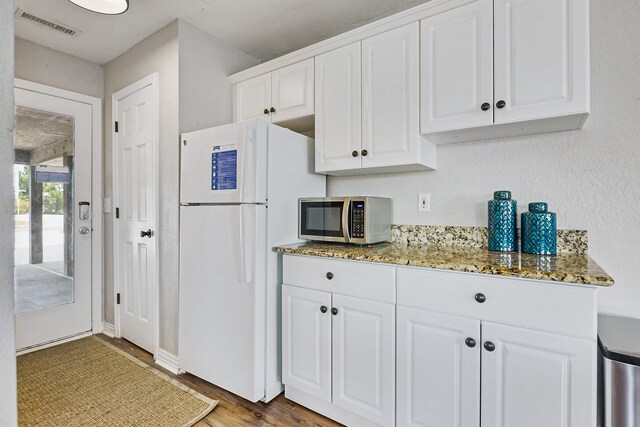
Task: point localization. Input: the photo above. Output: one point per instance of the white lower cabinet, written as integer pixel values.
(364, 358)
(533, 379)
(370, 344)
(438, 370)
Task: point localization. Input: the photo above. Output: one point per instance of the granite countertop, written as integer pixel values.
(576, 268)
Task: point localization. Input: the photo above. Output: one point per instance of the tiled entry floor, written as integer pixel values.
(41, 285)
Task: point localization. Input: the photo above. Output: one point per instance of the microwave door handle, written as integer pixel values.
(345, 221)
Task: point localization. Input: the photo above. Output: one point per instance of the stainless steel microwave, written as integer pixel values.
(361, 220)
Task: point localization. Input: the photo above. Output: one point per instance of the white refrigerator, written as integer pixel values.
(239, 188)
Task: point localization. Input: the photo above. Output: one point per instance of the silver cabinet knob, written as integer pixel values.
(84, 230)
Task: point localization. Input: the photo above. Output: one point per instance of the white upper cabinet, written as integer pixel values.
(541, 58)
(533, 379)
(367, 107)
(252, 98)
(457, 68)
(498, 68)
(338, 109)
(284, 96)
(292, 90)
(390, 98)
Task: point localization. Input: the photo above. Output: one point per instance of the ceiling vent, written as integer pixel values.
(21, 14)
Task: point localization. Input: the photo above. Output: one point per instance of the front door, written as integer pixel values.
(53, 218)
(135, 142)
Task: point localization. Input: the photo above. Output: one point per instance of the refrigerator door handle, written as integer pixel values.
(245, 263)
(247, 136)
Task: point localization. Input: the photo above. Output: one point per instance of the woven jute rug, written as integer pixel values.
(90, 383)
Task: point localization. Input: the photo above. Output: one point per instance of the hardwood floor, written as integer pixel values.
(233, 410)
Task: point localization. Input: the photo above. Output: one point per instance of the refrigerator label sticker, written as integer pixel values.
(224, 170)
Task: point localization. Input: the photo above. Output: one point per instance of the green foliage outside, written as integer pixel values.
(52, 195)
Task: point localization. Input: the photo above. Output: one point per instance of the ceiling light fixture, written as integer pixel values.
(107, 7)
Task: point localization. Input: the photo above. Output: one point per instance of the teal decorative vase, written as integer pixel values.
(502, 222)
(538, 232)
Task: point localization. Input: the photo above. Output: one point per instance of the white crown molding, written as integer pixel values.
(408, 16)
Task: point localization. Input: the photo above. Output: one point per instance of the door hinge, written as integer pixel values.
(116, 124)
(117, 213)
(118, 298)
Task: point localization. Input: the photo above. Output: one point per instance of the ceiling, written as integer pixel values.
(265, 29)
(37, 129)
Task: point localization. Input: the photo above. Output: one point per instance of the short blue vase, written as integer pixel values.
(538, 234)
(502, 222)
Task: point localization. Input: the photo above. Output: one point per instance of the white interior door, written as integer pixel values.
(53, 240)
(135, 147)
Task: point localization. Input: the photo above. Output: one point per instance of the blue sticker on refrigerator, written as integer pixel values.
(224, 169)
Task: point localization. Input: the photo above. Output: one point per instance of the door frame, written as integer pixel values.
(96, 189)
(153, 81)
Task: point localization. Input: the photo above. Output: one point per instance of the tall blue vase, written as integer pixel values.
(538, 232)
(502, 222)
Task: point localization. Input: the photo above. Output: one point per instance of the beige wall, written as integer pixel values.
(53, 68)
(591, 178)
(194, 93)
(157, 53)
(8, 404)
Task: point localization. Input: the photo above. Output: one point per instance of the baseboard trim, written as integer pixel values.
(109, 329)
(53, 343)
(168, 361)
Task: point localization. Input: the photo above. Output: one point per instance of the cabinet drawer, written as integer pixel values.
(364, 280)
(558, 308)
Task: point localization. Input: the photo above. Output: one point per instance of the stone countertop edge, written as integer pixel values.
(563, 268)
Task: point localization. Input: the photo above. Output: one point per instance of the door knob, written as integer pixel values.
(480, 298)
(470, 342)
(489, 346)
(84, 231)
(501, 104)
(485, 106)
(147, 233)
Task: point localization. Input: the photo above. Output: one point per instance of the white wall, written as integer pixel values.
(205, 94)
(194, 93)
(50, 67)
(157, 53)
(8, 403)
(591, 178)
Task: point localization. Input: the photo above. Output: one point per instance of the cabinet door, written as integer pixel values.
(390, 97)
(252, 97)
(364, 358)
(456, 70)
(338, 109)
(306, 341)
(541, 58)
(292, 89)
(535, 379)
(438, 373)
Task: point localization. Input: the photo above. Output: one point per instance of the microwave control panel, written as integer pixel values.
(357, 219)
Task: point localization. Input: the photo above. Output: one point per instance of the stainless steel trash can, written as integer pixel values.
(619, 371)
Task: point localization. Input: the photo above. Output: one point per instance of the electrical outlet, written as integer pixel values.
(424, 202)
